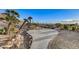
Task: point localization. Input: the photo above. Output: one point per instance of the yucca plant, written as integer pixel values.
(28, 20)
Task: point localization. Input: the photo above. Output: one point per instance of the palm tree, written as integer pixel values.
(11, 17)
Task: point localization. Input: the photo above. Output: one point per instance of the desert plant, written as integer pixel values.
(58, 25)
(1, 31)
(65, 27)
(11, 18)
(28, 21)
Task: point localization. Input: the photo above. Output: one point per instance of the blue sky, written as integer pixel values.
(48, 15)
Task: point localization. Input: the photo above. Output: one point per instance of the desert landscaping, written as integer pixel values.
(24, 33)
(12, 37)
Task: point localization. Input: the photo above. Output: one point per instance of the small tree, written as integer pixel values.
(65, 27)
(58, 25)
(73, 28)
(11, 17)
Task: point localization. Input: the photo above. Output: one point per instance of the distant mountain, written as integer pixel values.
(70, 22)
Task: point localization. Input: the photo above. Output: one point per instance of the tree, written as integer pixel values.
(58, 25)
(66, 27)
(11, 17)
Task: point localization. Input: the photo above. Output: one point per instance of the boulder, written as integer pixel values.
(65, 40)
(22, 40)
(27, 39)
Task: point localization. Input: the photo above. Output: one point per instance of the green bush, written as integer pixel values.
(65, 27)
(1, 31)
(73, 28)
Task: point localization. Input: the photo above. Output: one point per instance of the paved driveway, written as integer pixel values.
(42, 37)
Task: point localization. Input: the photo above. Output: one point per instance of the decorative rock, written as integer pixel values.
(27, 39)
(20, 41)
(65, 40)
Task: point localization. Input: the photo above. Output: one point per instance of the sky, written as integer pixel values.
(48, 15)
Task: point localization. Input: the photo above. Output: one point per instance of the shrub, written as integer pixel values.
(73, 28)
(65, 27)
(1, 31)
